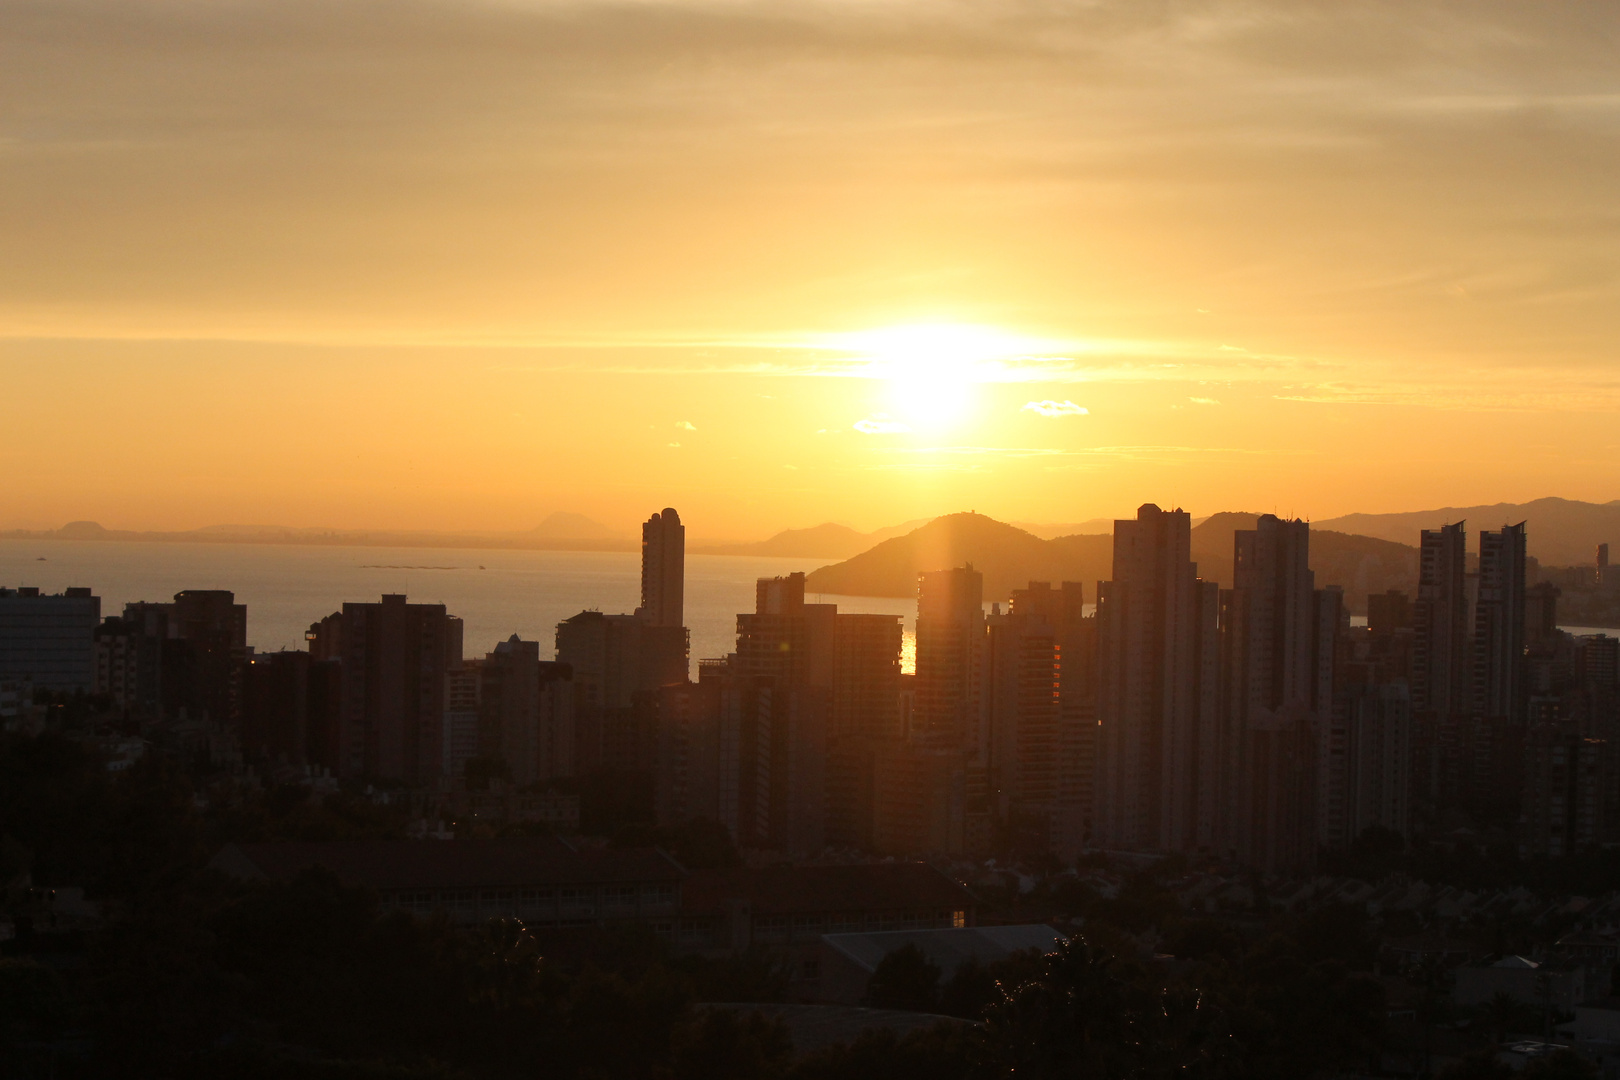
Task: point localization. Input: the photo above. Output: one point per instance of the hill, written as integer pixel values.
(1562, 532)
(825, 541)
(565, 525)
(828, 541)
(1357, 564)
(1009, 557)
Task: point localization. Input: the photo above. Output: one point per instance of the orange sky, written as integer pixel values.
(456, 265)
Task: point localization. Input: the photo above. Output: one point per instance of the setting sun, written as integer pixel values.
(933, 369)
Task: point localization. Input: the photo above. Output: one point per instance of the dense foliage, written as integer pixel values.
(197, 975)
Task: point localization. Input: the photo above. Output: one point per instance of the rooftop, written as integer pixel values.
(407, 864)
(788, 890)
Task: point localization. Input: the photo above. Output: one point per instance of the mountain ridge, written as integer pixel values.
(1010, 557)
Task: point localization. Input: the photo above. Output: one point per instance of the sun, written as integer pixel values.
(935, 371)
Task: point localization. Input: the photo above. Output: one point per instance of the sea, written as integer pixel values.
(496, 592)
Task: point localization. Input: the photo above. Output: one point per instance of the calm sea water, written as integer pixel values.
(497, 593)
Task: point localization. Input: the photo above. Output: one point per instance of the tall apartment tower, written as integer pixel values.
(1441, 676)
(1499, 620)
(49, 641)
(950, 655)
(663, 569)
(1069, 824)
(1440, 622)
(1021, 739)
(395, 659)
(1272, 687)
(1152, 697)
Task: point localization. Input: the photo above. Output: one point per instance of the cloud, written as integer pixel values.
(685, 425)
(1203, 401)
(880, 424)
(674, 445)
(1049, 407)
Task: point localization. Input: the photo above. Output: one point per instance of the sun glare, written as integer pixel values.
(934, 371)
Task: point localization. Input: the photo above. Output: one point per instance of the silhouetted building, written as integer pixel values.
(1441, 677)
(1377, 719)
(48, 640)
(865, 717)
(526, 719)
(1566, 802)
(127, 665)
(663, 570)
(778, 740)
(1389, 612)
(462, 686)
(1021, 733)
(618, 661)
(292, 705)
(1499, 621)
(1153, 703)
(950, 655)
(395, 658)
(193, 660)
(1076, 638)
(1273, 682)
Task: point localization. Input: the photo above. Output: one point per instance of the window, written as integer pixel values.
(958, 919)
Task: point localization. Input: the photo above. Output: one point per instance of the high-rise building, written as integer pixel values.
(291, 704)
(618, 664)
(49, 641)
(1273, 671)
(1441, 674)
(396, 656)
(947, 726)
(462, 685)
(1153, 704)
(524, 719)
(950, 655)
(1499, 621)
(1076, 639)
(1440, 621)
(865, 717)
(194, 657)
(663, 569)
(1566, 802)
(1020, 737)
(1378, 751)
(1389, 612)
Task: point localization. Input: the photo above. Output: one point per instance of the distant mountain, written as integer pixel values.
(1094, 527)
(567, 526)
(829, 541)
(1562, 532)
(826, 541)
(1010, 557)
(1007, 556)
(1357, 564)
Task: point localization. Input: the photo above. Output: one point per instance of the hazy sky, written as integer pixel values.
(459, 264)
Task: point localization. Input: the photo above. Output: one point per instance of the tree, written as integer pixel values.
(1479, 1065)
(1562, 1064)
(723, 1044)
